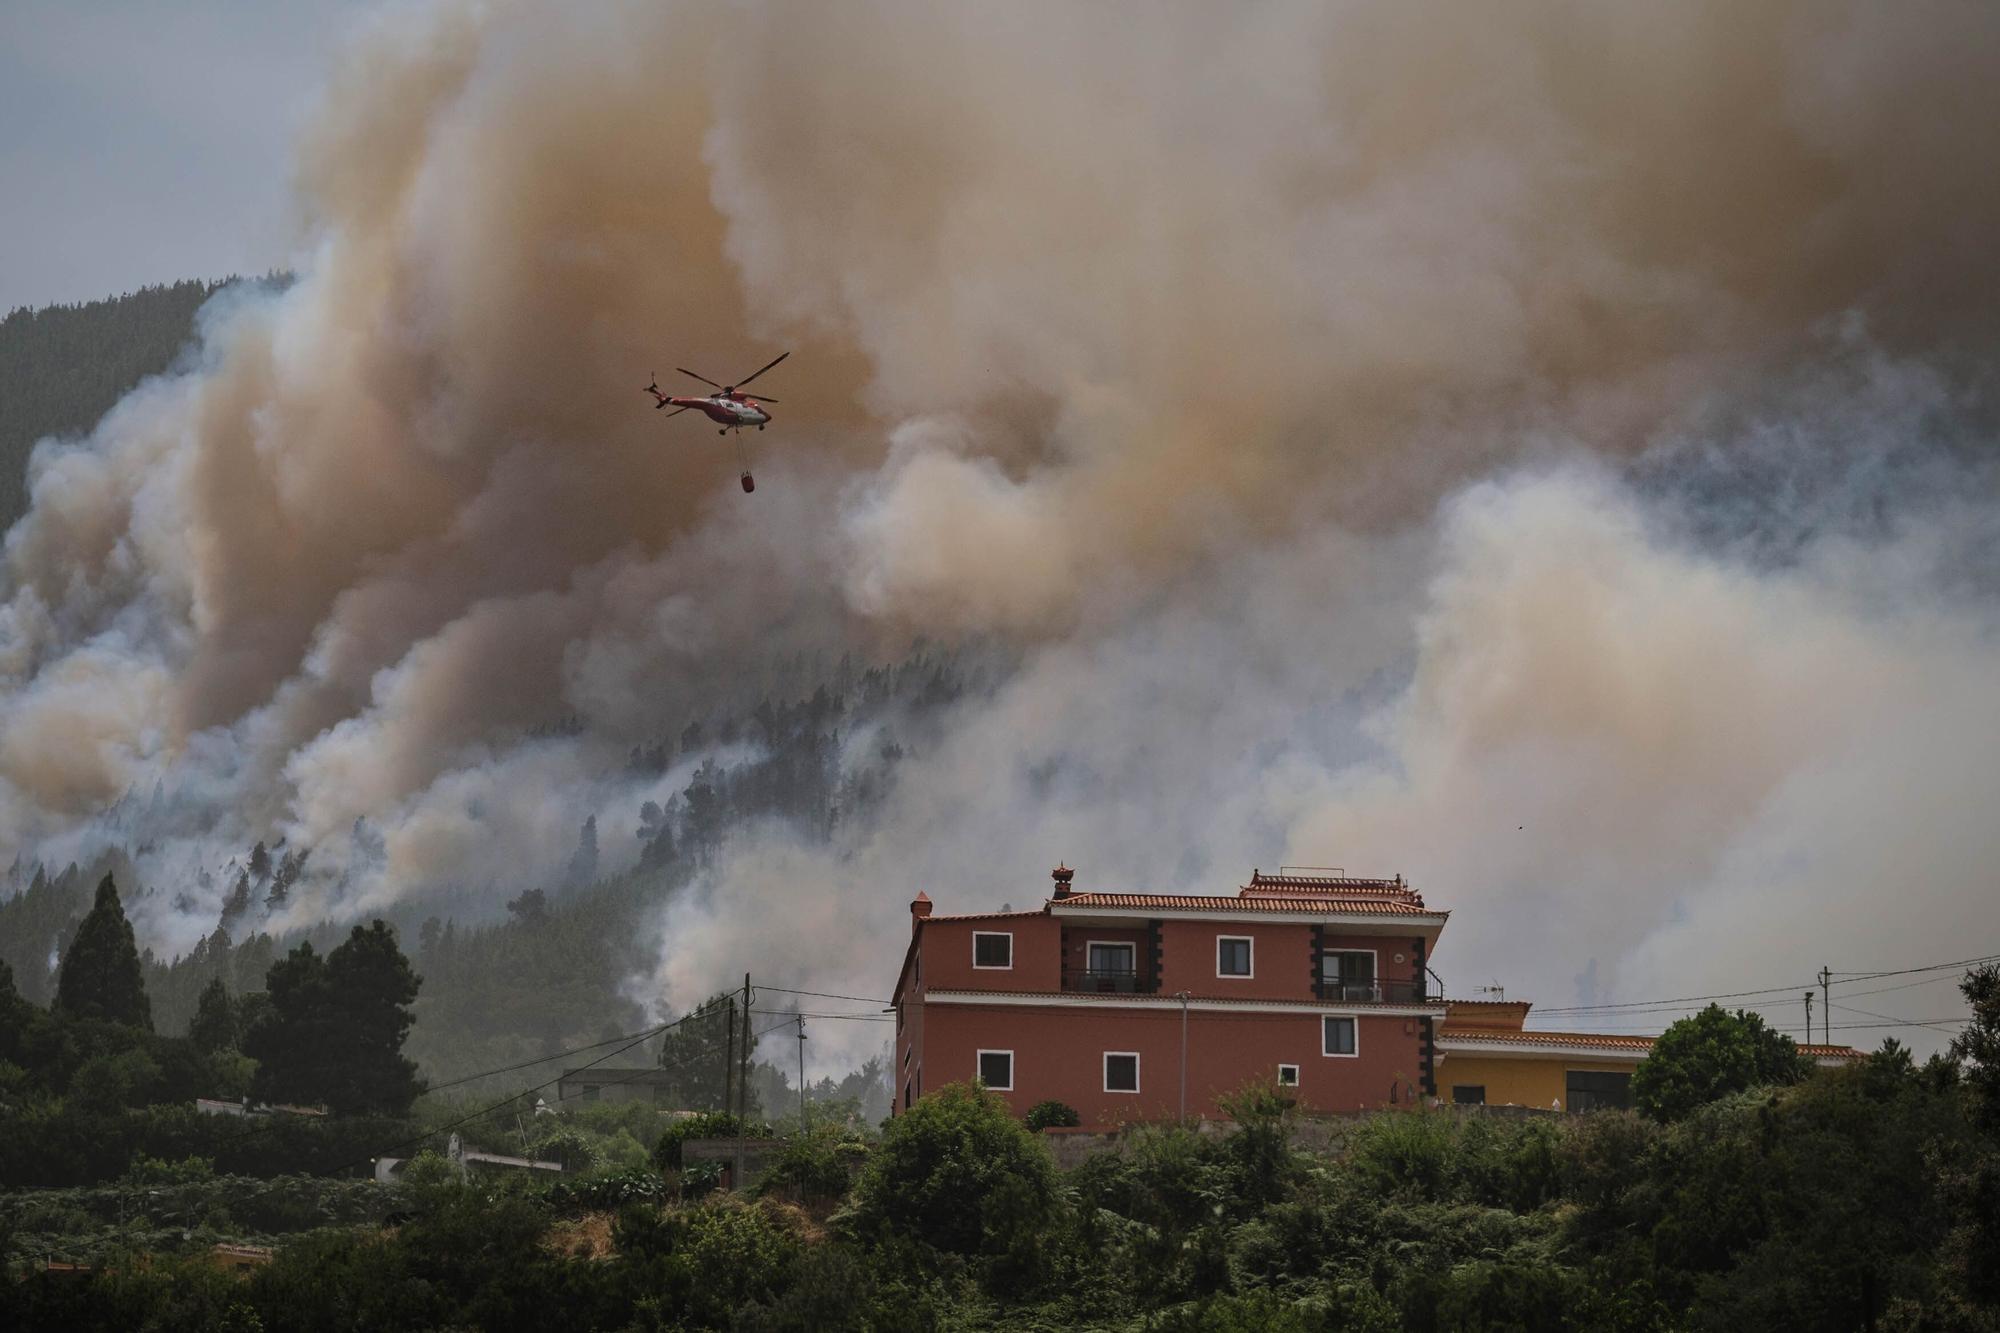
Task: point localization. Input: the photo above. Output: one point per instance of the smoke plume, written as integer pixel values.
(1542, 449)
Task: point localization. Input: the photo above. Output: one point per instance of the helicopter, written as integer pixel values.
(727, 406)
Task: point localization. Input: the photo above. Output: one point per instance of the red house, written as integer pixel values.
(1149, 1006)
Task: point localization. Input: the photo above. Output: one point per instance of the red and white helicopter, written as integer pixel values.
(731, 409)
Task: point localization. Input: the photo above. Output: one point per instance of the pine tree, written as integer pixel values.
(372, 990)
(100, 974)
(239, 898)
(700, 1058)
(293, 1041)
(583, 865)
(214, 1025)
(334, 1034)
(260, 862)
(289, 867)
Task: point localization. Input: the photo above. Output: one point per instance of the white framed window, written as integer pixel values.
(996, 1070)
(1235, 956)
(1339, 1035)
(1288, 1076)
(993, 950)
(1121, 1071)
(1350, 974)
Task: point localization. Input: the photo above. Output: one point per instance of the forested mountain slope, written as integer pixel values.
(511, 980)
(64, 366)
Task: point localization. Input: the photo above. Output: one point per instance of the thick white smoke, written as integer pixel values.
(1411, 436)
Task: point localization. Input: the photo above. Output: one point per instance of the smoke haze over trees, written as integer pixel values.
(1546, 453)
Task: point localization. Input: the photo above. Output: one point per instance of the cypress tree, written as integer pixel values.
(100, 973)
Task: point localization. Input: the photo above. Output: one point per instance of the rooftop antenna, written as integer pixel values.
(1496, 990)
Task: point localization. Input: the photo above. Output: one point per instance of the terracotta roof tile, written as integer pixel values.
(1168, 1001)
(1262, 883)
(1610, 1041)
(982, 916)
(1189, 902)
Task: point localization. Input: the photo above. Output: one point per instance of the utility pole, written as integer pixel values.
(1826, 1005)
(1182, 996)
(743, 1085)
(1809, 1000)
(729, 1058)
(802, 1071)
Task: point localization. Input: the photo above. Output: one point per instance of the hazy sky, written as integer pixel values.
(144, 143)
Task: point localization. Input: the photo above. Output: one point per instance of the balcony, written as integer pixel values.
(1106, 981)
(1353, 991)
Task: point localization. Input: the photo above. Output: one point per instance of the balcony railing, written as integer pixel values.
(1373, 992)
(1106, 981)
(1126, 981)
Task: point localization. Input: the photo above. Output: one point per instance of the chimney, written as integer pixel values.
(920, 905)
(1062, 875)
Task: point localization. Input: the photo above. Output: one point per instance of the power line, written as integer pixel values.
(488, 1110)
(1906, 971)
(1842, 978)
(1680, 999)
(1870, 1013)
(633, 1039)
(1900, 1023)
(825, 995)
(1901, 985)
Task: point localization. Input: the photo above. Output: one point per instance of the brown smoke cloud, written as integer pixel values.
(1150, 340)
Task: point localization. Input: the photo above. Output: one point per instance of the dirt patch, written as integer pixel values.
(586, 1237)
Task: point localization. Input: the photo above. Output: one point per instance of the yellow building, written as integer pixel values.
(1486, 1055)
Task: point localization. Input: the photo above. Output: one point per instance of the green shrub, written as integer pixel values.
(702, 1125)
(574, 1149)
(957, 1173)
(1051, 1114)
(152, 1171)
(608, 1191)
(1709, 1056)
(1405, 1152)
(52, 1143)
(704, 1263)
(816, 1166)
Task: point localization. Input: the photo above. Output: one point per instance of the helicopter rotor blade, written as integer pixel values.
(759, 398)
(703, 378)
(747, 378)
(676, 412)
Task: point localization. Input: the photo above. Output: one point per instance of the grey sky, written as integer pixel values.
(149, 142)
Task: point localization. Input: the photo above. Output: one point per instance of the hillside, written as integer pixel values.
(63, 366)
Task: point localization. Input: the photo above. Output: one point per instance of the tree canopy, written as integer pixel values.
(214, 1026)
(334, 1032)
(100, 973)
(1978, 1045)
(697, 1058)
(959, 1171)
(1711, 1055)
